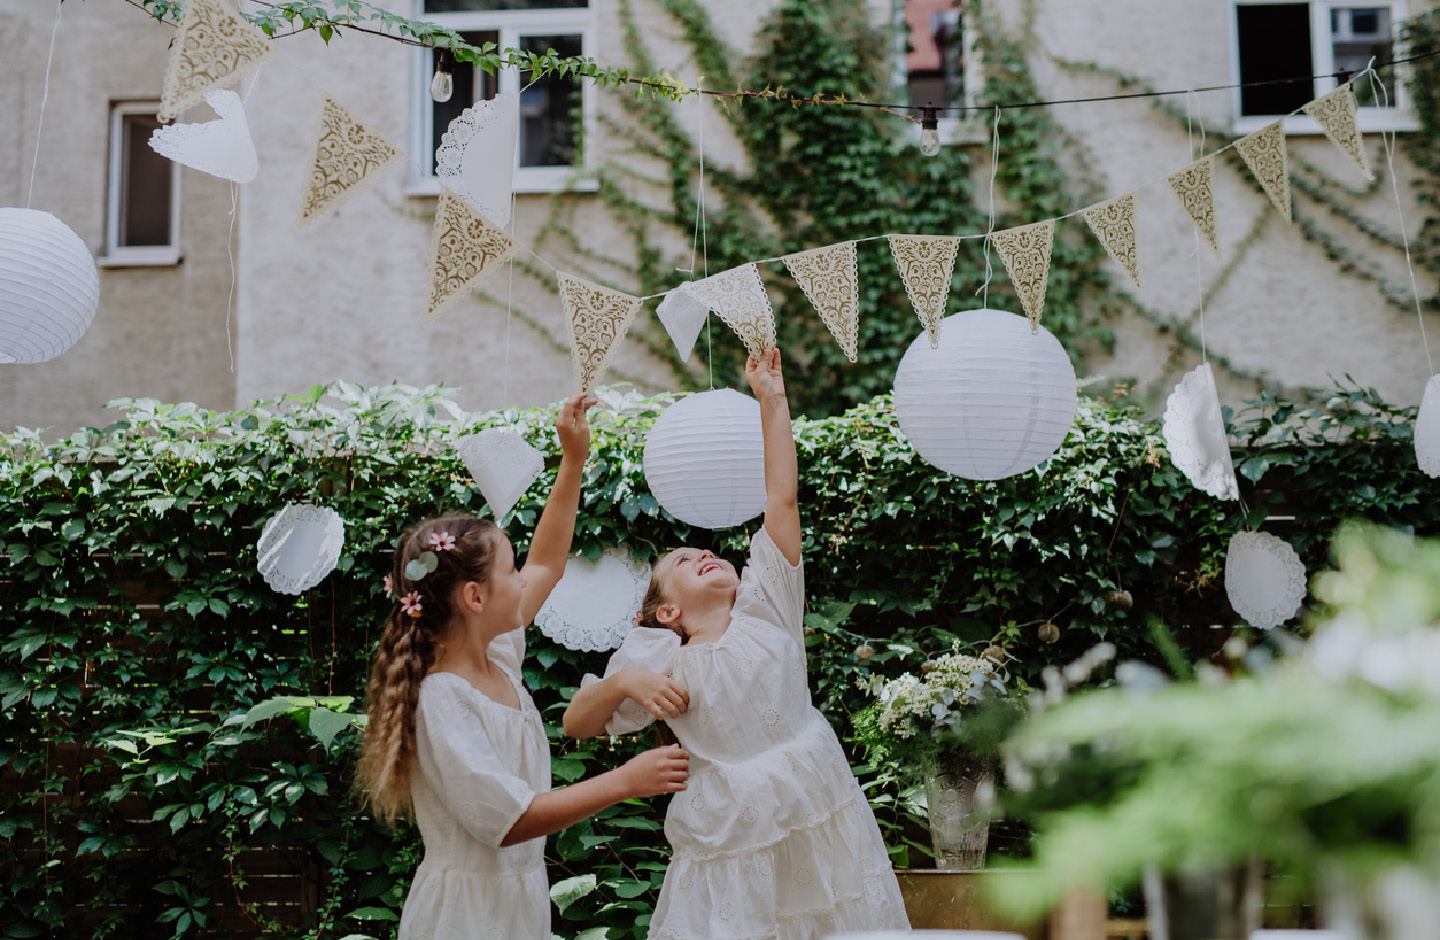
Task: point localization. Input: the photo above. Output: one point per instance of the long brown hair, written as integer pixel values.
(654, 599)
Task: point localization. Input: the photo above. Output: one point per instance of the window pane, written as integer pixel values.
(550, 108)
(1358, 34)
(471, 85)
(935, 52)
(145, 186)
(1274, 44)
(466, 6)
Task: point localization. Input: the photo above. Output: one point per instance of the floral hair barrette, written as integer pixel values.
(410, 604)
(426, 562)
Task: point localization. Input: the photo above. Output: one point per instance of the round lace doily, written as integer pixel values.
(476, 158)
(299, 546)
(1427, 429)
(1264, 579)
(221, 148)
(503, 466)
(1194, 432)
(593, 606)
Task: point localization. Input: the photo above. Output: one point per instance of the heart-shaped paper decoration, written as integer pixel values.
(1194, 432)
(221, 148)
(503, 466)
(683, 315)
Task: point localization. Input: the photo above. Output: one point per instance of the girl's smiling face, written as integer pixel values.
(691, 574)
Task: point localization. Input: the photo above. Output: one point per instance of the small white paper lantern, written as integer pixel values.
(503, 466)
(1264, 579)
(1427, 429)
(299, 546)
(49, 287)
(593, 606)
(705, 459)
(993, 399)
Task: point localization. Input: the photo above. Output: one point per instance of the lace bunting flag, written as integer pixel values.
(926, 263)
(346, 154)
(214, 45)
(828, 277)
(464, 247)
(476, 158)
(1026, 253)
(1336, 114)
(1264, 153)
(598, 316)
(1194, 187)
(738, 297)
(1113, 222)
(683, 315)
(221, 148)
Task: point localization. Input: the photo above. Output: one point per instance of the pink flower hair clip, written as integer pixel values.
(442, 541)
(389, 586)
(410, 604)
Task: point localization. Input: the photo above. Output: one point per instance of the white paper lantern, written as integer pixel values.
(299, 546)
(49, 287)
(593, 606)
(1264, 579)
(992, 400)
(1427, 429)
(503, 466)
(705, 459)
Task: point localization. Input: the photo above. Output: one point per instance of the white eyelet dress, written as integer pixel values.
(773, 838)
(480, 764)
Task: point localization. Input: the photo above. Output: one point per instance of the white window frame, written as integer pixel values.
(117, 255)
(511, 26)
(1399, 117)
(967, 127)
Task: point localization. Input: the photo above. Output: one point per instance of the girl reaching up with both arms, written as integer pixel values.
(454, 737)
(773, 837)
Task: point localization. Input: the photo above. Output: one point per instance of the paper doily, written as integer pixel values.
(221, 148)
(1264, 579)
(593, 606)
(1427, 429)
(476, 158)
(683, 315)
(299, 546)
(503, 466)
(1194, 432)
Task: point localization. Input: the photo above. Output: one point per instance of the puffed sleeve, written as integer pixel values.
(771, 589)
(508, 649)
(643, 648)
(475, 782)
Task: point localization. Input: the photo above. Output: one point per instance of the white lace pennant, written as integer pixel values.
(1194, 187)
(213, 46)
(1264, 153)
(683, 315)
(464, 247)
(828, 277)
(502, 464)
(1336, 114)
(476, 158)
(1194, 432)
(1113, 223)
(1026, 253)
(926, 263)
(738, 298)
(346, 155)
(221, 148)
(599, 317)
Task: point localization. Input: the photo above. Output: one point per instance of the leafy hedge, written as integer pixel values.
(138, 633)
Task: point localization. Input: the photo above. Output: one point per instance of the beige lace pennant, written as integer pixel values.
(738, 297)
(598, 317)
(1026, 253)
(1336, 114)
(828, 277)
(215, 45)
(346, 154)
(1194, 187)
(464, 247)
(1113, 222)
(1264, 153)
(926, 264)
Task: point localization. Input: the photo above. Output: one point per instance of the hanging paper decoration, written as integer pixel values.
(1336, 114)
(598, 317)
(346, 154)
(1264, 153)
(1264, 579)
(476, 159)
(1113, 222)
(926, 263)
(593, 605)
(1026, 253)
(682, 315)
(1194, 187)
(992, 400)
(49, 287)
(705, 459)
(299, 546)
(1427, 429)
(221, 148)
(464, 247)
(213, 46)
(1194, 432)
(738, 297)
(502, 464)
(828, 277)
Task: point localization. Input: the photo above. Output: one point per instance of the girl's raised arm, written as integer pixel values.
(550, 546)
(782, 507)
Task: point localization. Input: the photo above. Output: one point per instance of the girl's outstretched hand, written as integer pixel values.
(662, 770)
(573, 426)
(763, 374)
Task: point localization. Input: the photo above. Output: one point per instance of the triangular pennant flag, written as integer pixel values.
(598, 317)
(828, 277)
(215, 45)
(683, 315)
(1113, 222)
(1194, 187)
(1336, 114)
(464, 247)
(1026, 253)
(926, 264)
(1264, 154)
(346, 154)
(738, 297)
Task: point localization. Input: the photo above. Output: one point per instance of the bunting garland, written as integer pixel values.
(1194, 187)
(598, 317)
(738, 298)
(213, 46)
(926, 263)
(1264, 153)
(1113, 223)
(1336, 114)
(1026, 253)
(829, 279)
(464, 247)
(346, 154)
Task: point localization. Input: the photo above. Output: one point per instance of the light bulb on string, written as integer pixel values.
(929, 132)
(442, 85)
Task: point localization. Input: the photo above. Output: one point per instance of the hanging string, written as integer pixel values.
(704, 234)
(230, 254)
(984, 290)
(44, 97)
(1191, 102)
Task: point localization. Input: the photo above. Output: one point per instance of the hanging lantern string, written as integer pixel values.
(1191, 102)
(44, 97)
(984, 289)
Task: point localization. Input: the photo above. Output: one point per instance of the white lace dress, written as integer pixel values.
(480, 764)
(773, 838)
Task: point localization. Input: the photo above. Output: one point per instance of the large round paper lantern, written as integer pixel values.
(299, 546)
(993, 399)
(49, 287)
(705, 459)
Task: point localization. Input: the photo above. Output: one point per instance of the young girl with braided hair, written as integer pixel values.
(454, 737)
(774, 838)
